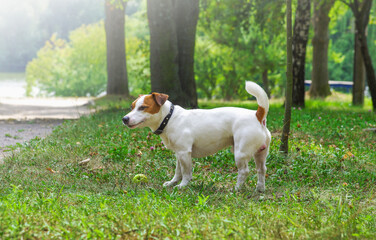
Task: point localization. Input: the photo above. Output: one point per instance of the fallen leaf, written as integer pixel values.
(348, 155)
(52, 171)
(84, 161)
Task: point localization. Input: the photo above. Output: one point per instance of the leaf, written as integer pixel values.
(84, 161)
(51, 170)
(348, 155)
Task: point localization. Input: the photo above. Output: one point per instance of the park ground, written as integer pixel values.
(77, 182)
(22, 119)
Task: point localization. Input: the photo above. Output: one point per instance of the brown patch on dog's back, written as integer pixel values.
(260, 114)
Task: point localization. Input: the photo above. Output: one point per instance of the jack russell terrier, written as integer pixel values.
(198, 133)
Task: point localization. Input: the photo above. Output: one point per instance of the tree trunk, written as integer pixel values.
(361, 13)
(320, 76)
(186, 17)
(172, 26)
(284, 147)
(164, 58)
(117, 78)
(371, 78)
(299, 45)
(358, 75)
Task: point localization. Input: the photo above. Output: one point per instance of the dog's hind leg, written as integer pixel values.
(260, 159)
(177, 177)
(243, 171)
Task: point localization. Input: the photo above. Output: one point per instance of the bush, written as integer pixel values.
(77, 67)
(70, 68)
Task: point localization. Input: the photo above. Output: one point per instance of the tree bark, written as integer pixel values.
(320, 75)
(299, 45)
(186, 17)
(164, 59)
(361, 13)
(284, 147)
(172, 25)
(358, 75)
(361, 30)
(117, 78)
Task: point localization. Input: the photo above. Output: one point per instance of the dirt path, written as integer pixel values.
(25, 119)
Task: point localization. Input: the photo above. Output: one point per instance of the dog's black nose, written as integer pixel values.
(126, 120)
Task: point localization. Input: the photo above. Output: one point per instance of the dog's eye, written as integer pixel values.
(142, 108)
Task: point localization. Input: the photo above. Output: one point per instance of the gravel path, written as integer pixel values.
(25, 119)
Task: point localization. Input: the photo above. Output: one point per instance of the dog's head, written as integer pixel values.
(145, 109)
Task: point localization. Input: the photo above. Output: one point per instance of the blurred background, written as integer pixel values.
(58, 47)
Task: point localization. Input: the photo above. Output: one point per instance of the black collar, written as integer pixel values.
(165, 121)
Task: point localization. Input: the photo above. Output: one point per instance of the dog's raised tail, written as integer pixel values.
(262, 100)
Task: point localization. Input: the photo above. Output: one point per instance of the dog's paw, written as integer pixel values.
(260, 188)
(169, 184)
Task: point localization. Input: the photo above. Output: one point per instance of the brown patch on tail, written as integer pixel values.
(260, 114)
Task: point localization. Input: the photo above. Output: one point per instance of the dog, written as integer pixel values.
(198, 133)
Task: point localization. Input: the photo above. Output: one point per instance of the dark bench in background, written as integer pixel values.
(335, 84)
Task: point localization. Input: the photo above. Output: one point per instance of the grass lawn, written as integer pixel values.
(325, 189)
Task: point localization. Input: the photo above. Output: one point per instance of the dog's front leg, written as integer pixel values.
(177, 177)
(185, 163)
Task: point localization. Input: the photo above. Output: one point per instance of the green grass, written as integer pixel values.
(325, 189)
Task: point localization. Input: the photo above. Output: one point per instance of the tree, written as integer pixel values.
(247, 39)
(361, 11)
(320, 75)
(172, 25)
(284, 147)
(358, 74)
(186, 17)
(117, 78)
(299, 44)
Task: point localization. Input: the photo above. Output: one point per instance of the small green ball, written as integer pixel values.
(140, 178)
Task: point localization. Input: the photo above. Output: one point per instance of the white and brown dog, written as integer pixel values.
(198, 133)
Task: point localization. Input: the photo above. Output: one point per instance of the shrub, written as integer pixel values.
(70, 68)
(77, 67)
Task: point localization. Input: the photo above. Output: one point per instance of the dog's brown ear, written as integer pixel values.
(160, 98)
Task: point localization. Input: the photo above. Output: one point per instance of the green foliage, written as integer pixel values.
(238, 43)
(137, 53)
(324, 190)
(78, 67)
(235, 41)
(71, 68)
(341, 46)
